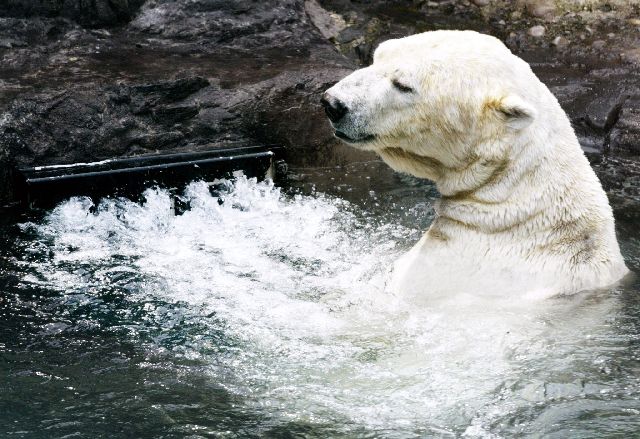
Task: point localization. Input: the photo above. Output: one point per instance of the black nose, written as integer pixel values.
(334, 108)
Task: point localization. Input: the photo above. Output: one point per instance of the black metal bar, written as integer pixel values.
(142, 169)
(150, 159)
(45, 185)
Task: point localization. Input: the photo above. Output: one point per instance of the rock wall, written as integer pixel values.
(88, 13)
(177, 76)
(83, 81)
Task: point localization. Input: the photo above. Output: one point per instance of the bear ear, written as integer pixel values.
(516, 113)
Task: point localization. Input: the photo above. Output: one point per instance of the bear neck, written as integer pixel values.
(536, 184)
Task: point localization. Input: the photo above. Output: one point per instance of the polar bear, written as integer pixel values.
(521, 211)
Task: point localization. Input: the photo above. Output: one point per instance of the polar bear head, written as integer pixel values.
(436, 100)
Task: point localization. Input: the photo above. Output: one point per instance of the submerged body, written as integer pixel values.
(521, 209)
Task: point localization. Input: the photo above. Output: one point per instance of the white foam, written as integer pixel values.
(299, 283)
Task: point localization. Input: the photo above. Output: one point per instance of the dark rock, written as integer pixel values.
(594, 102)
(97, 123)
(265, 118)
(625, 135)
(171, 91)
(603, 112)
(90, 13)
(244, 23)
(348, 35)
(180, 76)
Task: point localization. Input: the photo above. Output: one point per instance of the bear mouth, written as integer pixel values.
(365, 138)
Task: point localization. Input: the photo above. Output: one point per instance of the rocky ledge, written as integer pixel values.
(163, 76)
(85, 81)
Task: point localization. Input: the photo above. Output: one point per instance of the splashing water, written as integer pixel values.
(278, 300)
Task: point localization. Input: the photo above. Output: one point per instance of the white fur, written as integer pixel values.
(522, 212)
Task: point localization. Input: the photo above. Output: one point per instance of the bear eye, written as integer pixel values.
(401, 87)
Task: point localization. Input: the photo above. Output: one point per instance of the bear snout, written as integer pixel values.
(333, 107)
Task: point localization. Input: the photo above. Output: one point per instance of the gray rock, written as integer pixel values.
(560, 42)
(537, 31)
(540, 8)
(330, 25)
(625, 135)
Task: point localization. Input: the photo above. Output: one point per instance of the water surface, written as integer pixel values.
(251, 310)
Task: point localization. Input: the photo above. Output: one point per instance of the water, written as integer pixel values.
(257, 311)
